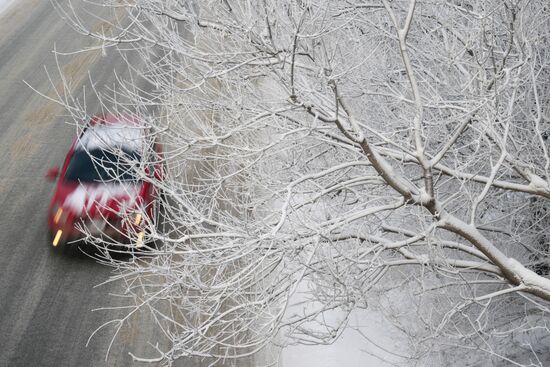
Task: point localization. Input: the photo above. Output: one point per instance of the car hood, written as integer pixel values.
(94, 199)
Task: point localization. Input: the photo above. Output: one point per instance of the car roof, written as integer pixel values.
(113, 131)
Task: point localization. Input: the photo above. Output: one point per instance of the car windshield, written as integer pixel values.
(99, 165)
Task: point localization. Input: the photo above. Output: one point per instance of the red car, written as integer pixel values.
(105, 186)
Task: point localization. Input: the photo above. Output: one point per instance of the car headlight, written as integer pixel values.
(59, 219)
(136, 233)
(59, 215)
(137, 219)
(133, 218)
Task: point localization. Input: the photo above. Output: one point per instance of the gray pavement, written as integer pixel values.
(47, 296)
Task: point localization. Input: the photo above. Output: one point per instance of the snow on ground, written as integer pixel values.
(370, 340)
(4, 4)
(382, 347)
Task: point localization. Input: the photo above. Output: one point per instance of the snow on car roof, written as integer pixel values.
(124, 134)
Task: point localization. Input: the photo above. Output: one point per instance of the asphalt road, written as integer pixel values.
(47, 296)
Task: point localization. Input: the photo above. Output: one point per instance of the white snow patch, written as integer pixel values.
(4, 4)
(83, 198)
(369, 340)
(383, 348)
(106, 136)
(529, 277)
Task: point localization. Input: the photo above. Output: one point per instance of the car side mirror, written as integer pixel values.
(52, 173)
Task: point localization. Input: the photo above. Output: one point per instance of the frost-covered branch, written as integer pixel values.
(322, 154)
